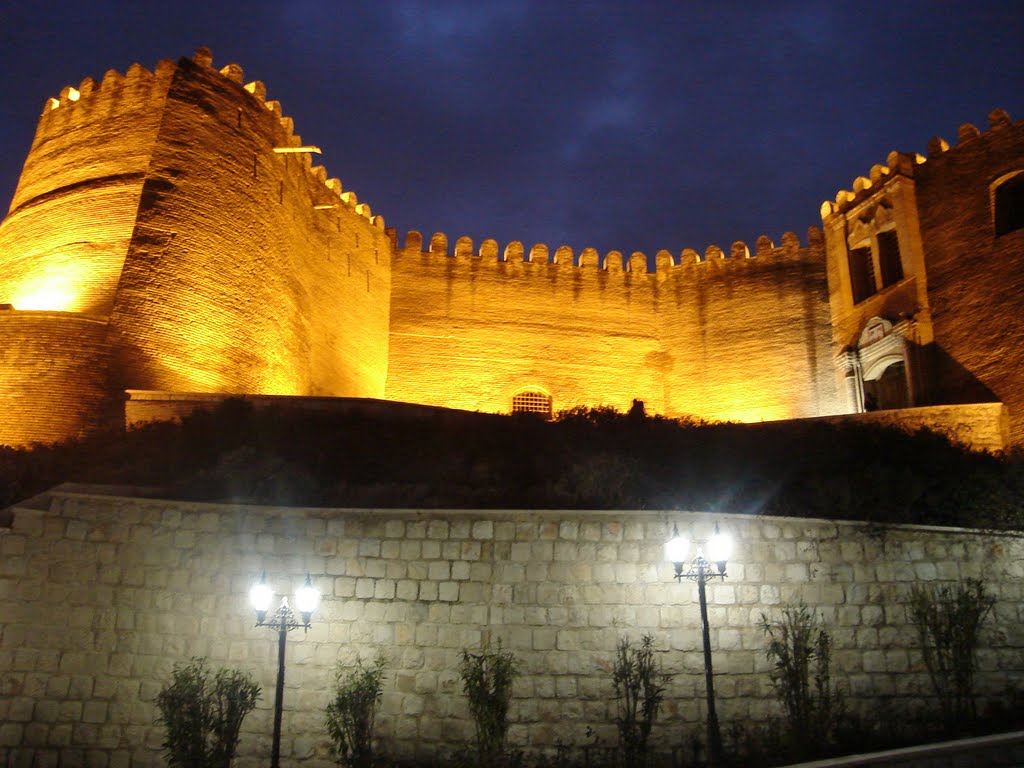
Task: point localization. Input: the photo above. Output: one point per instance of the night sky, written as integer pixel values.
(628, 126)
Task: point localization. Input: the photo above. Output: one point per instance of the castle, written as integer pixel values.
(170, 235)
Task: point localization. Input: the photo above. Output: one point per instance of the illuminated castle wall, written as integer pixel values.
(169, 233)
(690, 338)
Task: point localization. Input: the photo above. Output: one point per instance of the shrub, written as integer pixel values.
(948, 620)
(351, 715)
(203, 715)
(639, 689)
(800, 652)
(487, 679)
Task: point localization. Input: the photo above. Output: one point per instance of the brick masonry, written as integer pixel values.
(180, 207)
(101, 595)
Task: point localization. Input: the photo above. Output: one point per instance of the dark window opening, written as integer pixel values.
(532, 401)
(888, 391)
(862, 274)
(1009, 204)
(889, 258)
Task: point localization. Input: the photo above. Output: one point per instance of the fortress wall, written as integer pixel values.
(975, 279)
(102, 595)
(64, 242)
(725, 338)
(234, 281)
(747, 338)
(53, 369)
(468, 331)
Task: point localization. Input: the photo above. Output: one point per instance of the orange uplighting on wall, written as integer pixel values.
(57, 288)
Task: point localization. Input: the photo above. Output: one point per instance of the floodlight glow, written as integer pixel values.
(261, 595)
(719, 547)
(307, 597)
(677, 547)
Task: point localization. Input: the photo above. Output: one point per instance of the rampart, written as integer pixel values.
(66, 235)
(471, 328)
(181, 210)
(247, 272)
(55, 375)
(102, 595)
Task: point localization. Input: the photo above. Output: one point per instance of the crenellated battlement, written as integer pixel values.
(114, 92)
(138, 88)
(564, 258)
(181, 207)
(904, 164)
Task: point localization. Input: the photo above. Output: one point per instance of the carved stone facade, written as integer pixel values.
(176, 217)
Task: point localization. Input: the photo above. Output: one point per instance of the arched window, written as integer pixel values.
(532, 401)
(1008, 204)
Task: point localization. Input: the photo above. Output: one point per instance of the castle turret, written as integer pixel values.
(169, 232)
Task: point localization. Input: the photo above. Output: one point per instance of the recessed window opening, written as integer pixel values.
(1009, 205)
(888, 390)
(889, 258)
(862, 274)
(532, 401)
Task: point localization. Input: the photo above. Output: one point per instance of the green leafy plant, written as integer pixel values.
(948, 620)
(351, 715)
(487, 680)
(202, 713)
(800, 652)
(640, 684)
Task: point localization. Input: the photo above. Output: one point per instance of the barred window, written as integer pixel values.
(532, 401)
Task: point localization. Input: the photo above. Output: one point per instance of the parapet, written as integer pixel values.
(117, 87)
(904, 164)
(637, 263)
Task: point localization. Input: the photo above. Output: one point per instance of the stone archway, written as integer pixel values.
(886, 386)
(877, 370)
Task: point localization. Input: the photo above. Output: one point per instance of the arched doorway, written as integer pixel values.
(885, 387)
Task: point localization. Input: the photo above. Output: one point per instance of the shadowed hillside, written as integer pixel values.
(585, 459)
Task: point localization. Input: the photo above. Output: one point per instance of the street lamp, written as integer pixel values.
(700, 569)
(284, 619)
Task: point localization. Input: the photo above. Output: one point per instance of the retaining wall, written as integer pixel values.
(101, 595)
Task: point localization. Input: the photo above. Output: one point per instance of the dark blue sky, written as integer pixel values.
(629, 126)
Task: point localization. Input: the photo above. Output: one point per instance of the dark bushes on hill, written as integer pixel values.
(585, 459)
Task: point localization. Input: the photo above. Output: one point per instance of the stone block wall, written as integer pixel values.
(980, 426)
(101, 595)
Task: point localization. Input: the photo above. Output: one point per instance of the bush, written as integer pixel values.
(350, 717)
(800, 652)
(639, 689)
(487, 679)
(948, 621)
(203, 716)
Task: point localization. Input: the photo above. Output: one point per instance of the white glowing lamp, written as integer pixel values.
(677, 548)
(720, 548)
(307, 598)
(260, 596)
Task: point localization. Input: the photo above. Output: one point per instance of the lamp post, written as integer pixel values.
(700, 569)
(284, 619)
